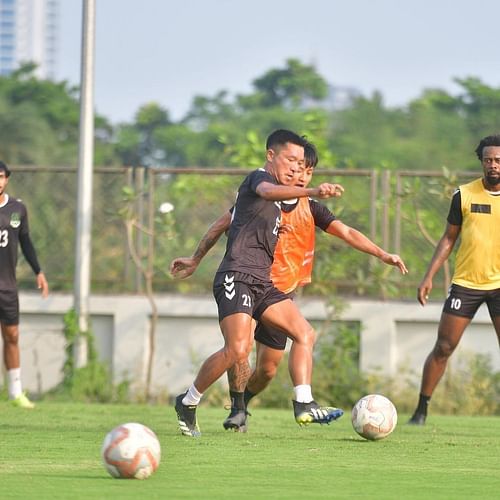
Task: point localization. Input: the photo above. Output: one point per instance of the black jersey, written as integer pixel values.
(253, 232)
(14, 229)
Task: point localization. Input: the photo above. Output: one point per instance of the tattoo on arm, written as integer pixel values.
(206, 243)
(211, 237)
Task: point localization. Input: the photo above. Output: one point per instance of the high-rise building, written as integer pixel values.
(28, 33)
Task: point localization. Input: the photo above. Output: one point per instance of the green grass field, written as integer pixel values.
(53, 452)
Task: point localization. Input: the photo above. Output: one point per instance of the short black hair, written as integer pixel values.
(281, 136)
(491, 140)
(310, 155)
(5, 168)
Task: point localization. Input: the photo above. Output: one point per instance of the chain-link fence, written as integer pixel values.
(168, 210)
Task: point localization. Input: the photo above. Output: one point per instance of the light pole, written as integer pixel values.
(85, 172)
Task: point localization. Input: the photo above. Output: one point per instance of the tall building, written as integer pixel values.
(28, 33)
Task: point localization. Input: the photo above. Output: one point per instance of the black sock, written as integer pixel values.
(247, 396)
(423, 403)
(237, 400)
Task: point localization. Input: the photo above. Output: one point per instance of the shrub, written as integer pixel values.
(92, 382)
(336, 376)
(470, 386)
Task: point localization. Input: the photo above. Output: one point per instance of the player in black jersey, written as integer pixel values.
(271, 343)
(13, 230)
(243, 289)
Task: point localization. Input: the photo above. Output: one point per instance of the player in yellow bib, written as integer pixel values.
(474, 216)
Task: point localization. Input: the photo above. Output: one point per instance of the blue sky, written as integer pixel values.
(169, 51)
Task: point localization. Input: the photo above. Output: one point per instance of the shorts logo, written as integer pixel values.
(15, 220)
(229, 287)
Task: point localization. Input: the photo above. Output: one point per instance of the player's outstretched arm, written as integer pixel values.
(279, 192)
(359, 241)
(442, 252)
(183, 267)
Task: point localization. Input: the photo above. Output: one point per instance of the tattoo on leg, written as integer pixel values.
(238, 376)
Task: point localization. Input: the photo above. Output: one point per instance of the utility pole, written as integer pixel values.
(85, 172)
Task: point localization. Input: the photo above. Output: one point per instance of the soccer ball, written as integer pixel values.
(374, 417)
(131, 451)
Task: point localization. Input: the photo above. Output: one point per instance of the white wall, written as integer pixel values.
(393, 334)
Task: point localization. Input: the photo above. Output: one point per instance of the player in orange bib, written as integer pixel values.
(291, 268)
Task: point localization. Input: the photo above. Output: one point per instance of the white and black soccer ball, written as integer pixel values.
(374, 417)
(131, 451)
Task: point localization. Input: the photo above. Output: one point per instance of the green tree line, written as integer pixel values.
(39, 119)
(436, 130)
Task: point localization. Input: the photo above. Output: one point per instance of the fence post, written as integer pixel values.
(139, 189)
(386, 197)
(397, 215)
(151, 219)
(373, 205)
(129, 182)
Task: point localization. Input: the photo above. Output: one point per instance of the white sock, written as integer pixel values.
(15, 387)
(303, 393)
(192, 396)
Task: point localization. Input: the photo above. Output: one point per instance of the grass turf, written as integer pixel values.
(53, 452)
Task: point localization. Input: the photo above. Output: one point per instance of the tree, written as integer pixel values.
(138, 233)
(480, 104)
(293, 86)
(40, 119)
(204, 110)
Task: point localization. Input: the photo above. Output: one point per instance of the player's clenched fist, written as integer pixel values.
(327, 190)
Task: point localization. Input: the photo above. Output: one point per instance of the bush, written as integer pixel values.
(336, 376)
(470, 386)
(92, 382)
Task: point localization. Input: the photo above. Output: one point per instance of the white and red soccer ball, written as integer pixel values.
(131, 451)
(374, 417)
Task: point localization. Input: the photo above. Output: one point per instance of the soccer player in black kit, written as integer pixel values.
(243, 288)
(291, 269)
(13, 231)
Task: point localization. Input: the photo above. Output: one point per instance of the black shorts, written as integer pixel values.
(272, 337)
(239, 292)
(9, 307)
(462, 301)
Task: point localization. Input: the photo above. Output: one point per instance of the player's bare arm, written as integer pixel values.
(274, 192)
(183, 267)
(42, 285)
(359, 241)
(442, 252)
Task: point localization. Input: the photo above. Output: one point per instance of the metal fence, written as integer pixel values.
(404, 212)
